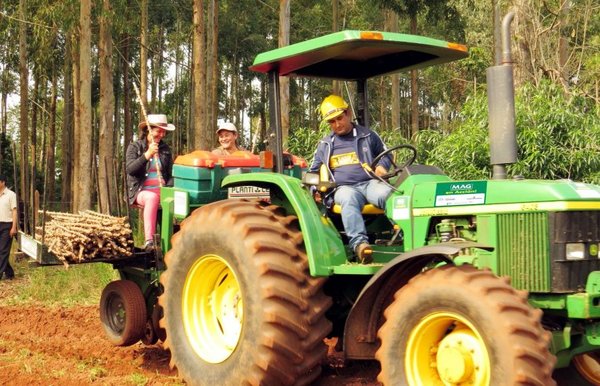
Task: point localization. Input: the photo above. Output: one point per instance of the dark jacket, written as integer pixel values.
(367, 145)
(136, 166)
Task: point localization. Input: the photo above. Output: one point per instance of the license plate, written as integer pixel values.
(248, 192)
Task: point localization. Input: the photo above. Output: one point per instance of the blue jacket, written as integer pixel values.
(369, 143)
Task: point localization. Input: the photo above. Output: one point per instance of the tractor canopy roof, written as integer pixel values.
(354, 55)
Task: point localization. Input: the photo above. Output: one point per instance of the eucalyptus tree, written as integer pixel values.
(434, 12)
(559, 40)
(199, 77)
(82, 199)
(23, 105)
(106, 153)
(143, 55)
(284, 81)
(9, 59)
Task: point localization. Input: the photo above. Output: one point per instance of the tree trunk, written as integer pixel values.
(67, 130)
(51, 143)
(84, 182)
(563, 43)
(414, 90)
(127, 119)
(392, 22)
(160, 75)
(33, 145)
(144, 54)
(212, 73)
(284, 81)
(336, 87)
(107, 107)
(200, 139)
(5, 89)
(24, 107)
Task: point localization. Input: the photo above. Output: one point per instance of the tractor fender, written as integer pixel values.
(321, 238)
(366, 315)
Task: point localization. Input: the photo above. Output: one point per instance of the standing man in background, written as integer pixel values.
(8, 227)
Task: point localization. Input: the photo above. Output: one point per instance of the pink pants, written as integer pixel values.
(149, 200)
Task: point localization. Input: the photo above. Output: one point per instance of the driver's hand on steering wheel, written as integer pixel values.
(380, 171)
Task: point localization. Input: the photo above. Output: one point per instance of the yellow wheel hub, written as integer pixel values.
(446, 349)
(212, 308)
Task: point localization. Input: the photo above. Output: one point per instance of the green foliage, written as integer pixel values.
(303, 142)
(392, 137)
(6, 160)
(558, 137)
(463, 154)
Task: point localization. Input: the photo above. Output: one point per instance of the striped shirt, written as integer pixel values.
(152, 180)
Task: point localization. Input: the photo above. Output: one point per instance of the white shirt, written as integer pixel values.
(8, 202)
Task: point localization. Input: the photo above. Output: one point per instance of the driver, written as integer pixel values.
(347, 153)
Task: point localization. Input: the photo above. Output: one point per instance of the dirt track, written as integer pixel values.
(66, 346)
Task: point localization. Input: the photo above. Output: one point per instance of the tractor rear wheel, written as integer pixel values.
(123, 312)
(463, 326)
(240, 306)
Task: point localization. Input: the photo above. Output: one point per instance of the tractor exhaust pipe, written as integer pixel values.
(501, 107)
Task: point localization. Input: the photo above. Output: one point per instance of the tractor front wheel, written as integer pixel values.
(584, 370)
(123, 312)
(463, 326)
(240, 306)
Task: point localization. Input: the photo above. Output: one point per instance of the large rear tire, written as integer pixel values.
(240, 306)
(123, 312)
(463, 326)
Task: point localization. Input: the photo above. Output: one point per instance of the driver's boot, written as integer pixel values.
(364, 253)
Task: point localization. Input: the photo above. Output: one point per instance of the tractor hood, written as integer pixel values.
(353, 55)
(504, 195)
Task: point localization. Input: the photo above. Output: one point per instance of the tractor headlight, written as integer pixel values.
(575, 251)
(311, 179)
(181, 205)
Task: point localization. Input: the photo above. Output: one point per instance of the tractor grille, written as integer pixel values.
(573, 227)
(523, 250)
(532, 247)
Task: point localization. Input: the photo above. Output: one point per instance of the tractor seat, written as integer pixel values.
(367, 209)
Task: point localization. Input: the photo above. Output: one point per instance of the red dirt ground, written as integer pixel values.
(66, 346)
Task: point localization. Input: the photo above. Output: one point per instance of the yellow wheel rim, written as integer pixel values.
(588, 365)
(446, 349)
(212, 308)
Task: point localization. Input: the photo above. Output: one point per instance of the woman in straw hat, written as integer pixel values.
(149, 164)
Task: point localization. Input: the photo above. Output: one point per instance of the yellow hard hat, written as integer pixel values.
(333, 106)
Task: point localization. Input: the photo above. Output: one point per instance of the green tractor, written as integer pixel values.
(491, 282)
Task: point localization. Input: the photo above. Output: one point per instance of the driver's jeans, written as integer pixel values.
(352, 198)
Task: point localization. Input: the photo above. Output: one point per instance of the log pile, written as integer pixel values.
(75, 238)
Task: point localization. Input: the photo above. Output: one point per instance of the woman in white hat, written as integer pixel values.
(149, 165)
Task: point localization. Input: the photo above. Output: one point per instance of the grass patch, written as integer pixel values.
(93, 368)
(80, 284)
(138, 379)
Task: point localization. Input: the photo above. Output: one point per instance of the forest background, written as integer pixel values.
(68, 107)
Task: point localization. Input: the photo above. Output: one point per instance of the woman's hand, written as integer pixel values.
(152, 149)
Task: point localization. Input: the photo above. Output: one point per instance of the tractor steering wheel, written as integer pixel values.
(396, 169)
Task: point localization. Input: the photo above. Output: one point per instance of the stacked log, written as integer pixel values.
(88, 235)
